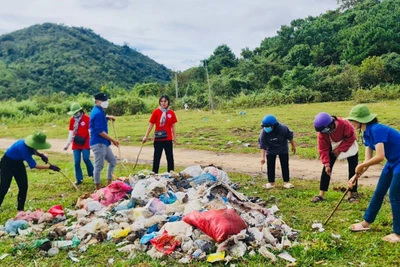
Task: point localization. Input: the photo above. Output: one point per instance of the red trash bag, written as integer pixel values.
(56, 210)
(165, 243)
(217, 224)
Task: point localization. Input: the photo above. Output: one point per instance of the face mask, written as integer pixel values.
(326, 130)
(267, 129)
(104, 104)
(78, 114)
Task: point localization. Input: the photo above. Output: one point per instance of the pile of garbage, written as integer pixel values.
(193, 215)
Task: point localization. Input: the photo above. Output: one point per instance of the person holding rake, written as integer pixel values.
(12, 165)
(385, 141)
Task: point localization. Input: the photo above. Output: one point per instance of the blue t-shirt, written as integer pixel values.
(98, 124)
(378, 133)
(276, 142)
(20, 151)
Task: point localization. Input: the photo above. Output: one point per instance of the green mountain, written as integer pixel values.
(48, 58)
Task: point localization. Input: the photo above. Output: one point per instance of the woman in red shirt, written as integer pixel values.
(79, 137)
(165, 135)
(336, 140)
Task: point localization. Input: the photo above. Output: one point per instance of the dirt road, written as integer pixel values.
(242, 163)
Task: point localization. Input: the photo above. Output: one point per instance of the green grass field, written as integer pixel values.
(203, 130)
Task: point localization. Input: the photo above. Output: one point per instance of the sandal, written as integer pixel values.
(317, 198)
(358, 227)
(268, 186)
(352, 199)
(392, 238)
(288, 185)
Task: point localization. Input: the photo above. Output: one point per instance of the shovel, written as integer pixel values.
(345, 193)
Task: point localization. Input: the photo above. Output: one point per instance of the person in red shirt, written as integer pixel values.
(336, 140)
(79, 137)
(164, 135)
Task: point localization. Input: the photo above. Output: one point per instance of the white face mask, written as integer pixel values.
(104, 104)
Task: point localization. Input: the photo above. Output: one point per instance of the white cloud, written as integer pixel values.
(176, 33)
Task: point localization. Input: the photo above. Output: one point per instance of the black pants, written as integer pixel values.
(159, 146)
(271, 161)
(9, 169)
(325, 178)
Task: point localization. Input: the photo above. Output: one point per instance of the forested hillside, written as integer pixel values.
(332, 57)
(48, 58)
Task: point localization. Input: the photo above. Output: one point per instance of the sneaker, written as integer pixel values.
(288, 185)
(78, 182)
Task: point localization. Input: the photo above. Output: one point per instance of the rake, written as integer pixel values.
(344, 194)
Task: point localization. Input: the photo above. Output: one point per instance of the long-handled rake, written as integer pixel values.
(119, 149)
(137, 158)
(341, 199)
(74, 185)
(116, 137)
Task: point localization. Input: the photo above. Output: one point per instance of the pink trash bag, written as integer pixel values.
(112, 193)
(217, 224)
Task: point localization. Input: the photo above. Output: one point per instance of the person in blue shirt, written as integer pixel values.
(100, 141)
(12, 165)
(273, 141)
(385, 141)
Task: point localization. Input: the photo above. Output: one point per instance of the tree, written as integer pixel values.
(223, 57)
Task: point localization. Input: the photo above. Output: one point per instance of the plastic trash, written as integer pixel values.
(175, 218)
(193, 171)
(147, 237)
(153, 228)
(139, 190)
(156, 206)
(284, 255)
(72, 256)
(203, 178)
(171, 198)
(12, 227)
(165, 243)
(238, 250)
(204, 245)
(218, 224)
(219, 256)
(52, 252)
(56, 210)
(62, 244)
(196, 254)
(125, 205)
(264, 251)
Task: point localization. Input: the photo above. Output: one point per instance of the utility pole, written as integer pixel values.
(176, 85)
(209, 88)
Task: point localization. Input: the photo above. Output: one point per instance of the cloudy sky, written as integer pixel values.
(176, 33)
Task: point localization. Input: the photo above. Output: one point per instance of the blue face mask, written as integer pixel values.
(267, 129)
(326, 130)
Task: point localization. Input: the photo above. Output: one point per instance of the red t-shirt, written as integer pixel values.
(83, 131)
(170, 120)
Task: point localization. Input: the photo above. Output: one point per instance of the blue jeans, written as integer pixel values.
(386, 181)
(77, 163)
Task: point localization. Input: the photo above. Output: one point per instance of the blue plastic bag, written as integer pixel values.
(203, 178)
(171, 198)
(147, 237)
(12, 226)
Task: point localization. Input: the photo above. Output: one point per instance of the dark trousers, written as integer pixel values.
(9, 169)
(271, 162)
(159, 146)
(325, 178)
